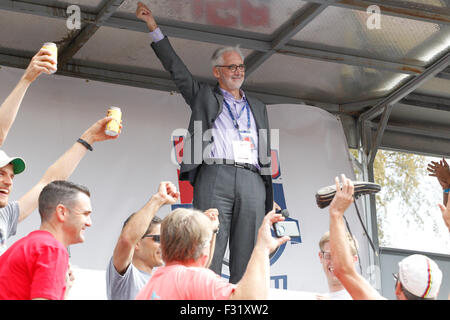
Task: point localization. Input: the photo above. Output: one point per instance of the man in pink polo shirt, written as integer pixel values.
(187, 245)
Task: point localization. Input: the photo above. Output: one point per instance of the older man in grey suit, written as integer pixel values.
(227, 152)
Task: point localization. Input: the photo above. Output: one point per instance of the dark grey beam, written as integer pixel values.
(425, 101)
(420, 144)
(359, 105)
(419, 130)
(295, 24)
(150, 79)
(445, 74)
(81, 38)
(398, 8)
(428, 140)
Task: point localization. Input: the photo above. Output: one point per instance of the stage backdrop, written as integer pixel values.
(123, 174)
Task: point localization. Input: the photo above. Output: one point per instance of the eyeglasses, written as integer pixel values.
(326, 255)
(233, 67)
(155, 237)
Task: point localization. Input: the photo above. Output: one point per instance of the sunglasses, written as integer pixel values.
(155, 237)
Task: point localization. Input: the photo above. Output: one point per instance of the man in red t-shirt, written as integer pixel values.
(36, 266)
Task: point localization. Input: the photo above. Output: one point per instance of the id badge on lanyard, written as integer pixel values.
(242, 151)
(246, 135)
(243, 147)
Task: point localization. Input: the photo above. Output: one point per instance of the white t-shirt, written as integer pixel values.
(339, 295)
(126, 286)
(9, 217)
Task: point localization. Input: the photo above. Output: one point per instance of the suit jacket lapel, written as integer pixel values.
(219, 98)
(252, 103)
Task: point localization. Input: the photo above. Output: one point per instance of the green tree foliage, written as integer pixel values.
(399, 175)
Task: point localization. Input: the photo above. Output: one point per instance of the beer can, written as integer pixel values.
(113, 126)
(50, 46)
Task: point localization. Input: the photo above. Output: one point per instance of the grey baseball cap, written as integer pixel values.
(17, 162)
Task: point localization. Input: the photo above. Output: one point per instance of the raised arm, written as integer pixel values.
(135, 229)
(441, 171)
(446, 214)
(40, 63)
(171, 62)
(64, 166)
(341, 257)
(255, 282)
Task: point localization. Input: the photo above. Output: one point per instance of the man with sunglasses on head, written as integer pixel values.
(137, 250)
(227, 156)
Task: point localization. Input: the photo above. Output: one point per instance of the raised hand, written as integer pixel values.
(167, 193)
(40, 63)
(344, 196)
(145, 14)
(441, 171)
(97, 131)
(213, 214)
(265, 238)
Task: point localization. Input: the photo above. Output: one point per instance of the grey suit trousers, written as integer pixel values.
(223, 187)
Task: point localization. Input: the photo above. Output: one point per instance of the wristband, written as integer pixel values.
(84, 143)
(447, 190)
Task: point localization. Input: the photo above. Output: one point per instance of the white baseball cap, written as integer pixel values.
(17, 162)
(420, 275)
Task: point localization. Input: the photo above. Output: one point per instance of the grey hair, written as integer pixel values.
(217, 57)
(184, 235)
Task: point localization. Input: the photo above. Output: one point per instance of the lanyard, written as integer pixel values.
(235, 121)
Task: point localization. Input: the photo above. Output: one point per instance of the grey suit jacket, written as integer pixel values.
(206, 103)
